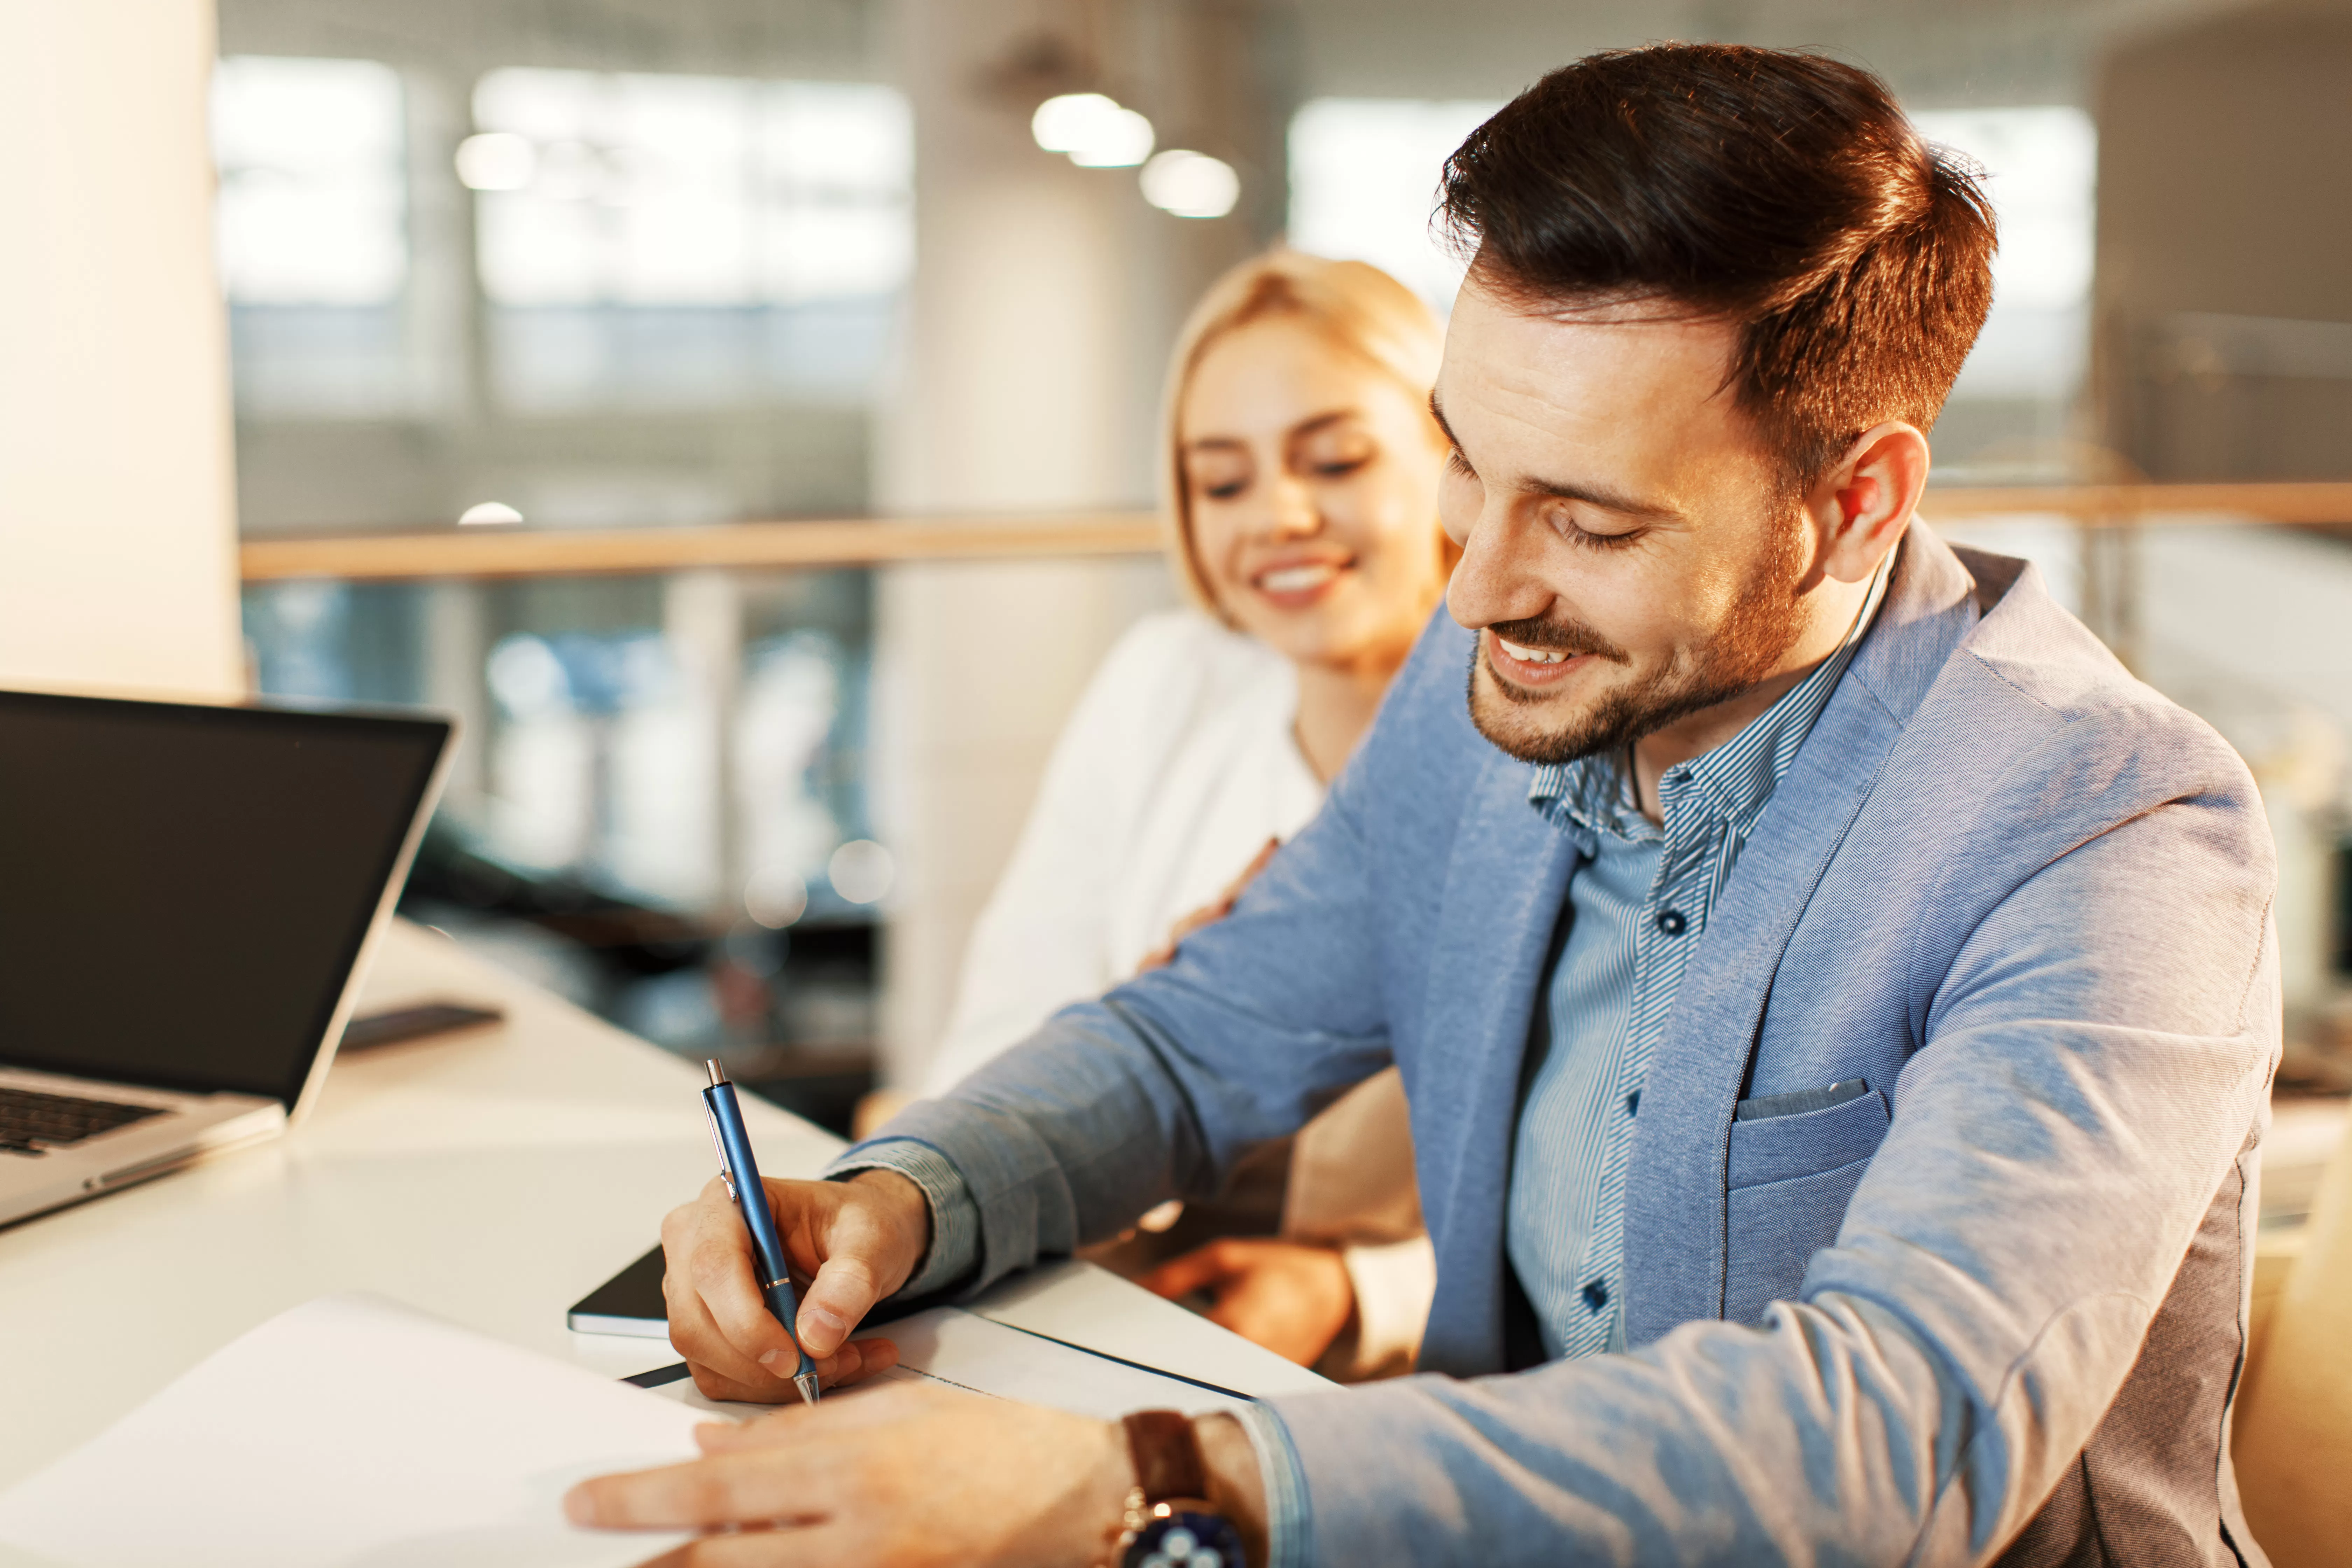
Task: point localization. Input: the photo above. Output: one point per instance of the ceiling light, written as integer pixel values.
(1093, 130)
(1190, 184)
(775, 897)
(497, 160)
(861, 871)
(1121, 141)
(1061, 124)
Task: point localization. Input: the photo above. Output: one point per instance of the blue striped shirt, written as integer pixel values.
(1638, 902)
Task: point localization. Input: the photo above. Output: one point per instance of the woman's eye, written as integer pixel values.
(1222, 489)
(1339, 468)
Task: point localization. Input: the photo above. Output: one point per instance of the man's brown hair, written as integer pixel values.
(1781, 191)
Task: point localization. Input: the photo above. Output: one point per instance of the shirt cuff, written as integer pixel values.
(1289, 1523)
(954, 1251)
(1393, 1286)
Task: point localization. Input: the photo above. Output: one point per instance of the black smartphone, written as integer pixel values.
(373, 1029)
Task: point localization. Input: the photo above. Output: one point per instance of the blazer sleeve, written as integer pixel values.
(1157, 1088)
(2096, 1052)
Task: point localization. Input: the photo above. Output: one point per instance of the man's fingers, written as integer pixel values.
(864, 1358)
(843, 1290)
(717, 1318)
(716, 1364)
(713, 1385)
(725, 1489)
(818, 1547)
(723, 1277)
(857, 1360)
(833, 1424)
(769, 1382)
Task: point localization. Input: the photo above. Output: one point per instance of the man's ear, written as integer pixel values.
(1862, 506)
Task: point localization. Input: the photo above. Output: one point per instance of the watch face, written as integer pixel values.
(1186, 1540)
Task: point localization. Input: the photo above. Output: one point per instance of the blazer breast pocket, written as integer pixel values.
(1791, 1178)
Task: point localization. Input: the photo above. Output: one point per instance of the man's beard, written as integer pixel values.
(1761, 628)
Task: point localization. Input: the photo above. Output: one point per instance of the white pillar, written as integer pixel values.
(1043, 301)
(116, 521)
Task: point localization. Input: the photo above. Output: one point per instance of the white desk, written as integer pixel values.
(493, 1178)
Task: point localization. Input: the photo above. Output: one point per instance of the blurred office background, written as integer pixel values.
(584, 267)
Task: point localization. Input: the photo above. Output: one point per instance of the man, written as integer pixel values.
(1837, 1002)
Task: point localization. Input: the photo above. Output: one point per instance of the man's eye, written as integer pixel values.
(1456, 464)
(1585, 539)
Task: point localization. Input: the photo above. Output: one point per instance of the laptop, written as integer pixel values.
(187, 895)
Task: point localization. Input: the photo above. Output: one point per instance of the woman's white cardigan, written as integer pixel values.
(1179, 764)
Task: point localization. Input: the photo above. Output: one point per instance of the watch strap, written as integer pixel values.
(1167, 1456)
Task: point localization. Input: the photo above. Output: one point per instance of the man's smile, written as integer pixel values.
(1520, 665)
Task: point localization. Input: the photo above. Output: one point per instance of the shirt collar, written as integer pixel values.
(1732, 782)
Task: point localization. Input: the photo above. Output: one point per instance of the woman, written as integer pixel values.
(1302, 482)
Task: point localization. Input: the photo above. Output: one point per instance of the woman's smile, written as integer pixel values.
(1297, 584)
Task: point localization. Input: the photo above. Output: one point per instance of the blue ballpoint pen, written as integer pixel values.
(740, 1171)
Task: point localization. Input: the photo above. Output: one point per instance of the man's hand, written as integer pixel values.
(900, 1477)
(860, 1239)
(1293, 1298)
(910, 1477)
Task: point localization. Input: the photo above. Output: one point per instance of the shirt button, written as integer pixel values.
(1633, 1103)
(1670, 921)
(1596, 1295)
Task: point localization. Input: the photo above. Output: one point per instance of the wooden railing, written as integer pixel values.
(524, 552)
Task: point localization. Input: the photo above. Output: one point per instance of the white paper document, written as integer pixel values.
(355, 1432)
(951, 1346)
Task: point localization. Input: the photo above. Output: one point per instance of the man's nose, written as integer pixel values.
(1496, 578)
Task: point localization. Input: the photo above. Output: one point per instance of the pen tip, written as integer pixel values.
(806, 1383)
(717, 1073)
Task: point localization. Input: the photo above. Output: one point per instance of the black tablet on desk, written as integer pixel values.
(630, 1303)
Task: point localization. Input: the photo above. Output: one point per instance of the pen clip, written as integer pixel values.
(726, 1171)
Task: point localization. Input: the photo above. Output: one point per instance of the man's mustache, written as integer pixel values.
(1567, 635)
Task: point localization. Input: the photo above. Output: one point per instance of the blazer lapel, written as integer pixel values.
(1505, 885)
(1675, 1199)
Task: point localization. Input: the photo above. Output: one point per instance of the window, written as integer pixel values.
(679, 190)
(682, 241)
(312, 227)
(312, 206)
(2041, 168)
(1363, 183)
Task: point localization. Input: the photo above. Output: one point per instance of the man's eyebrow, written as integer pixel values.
(1592, 495)
(1606, 499)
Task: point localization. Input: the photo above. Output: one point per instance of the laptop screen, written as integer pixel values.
(184, 889)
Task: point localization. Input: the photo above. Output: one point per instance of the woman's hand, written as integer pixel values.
(1209, 913)
(900, 1477)
(860, 1239)
(1289, 1297)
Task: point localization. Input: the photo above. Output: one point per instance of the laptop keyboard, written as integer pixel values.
(33, 1123)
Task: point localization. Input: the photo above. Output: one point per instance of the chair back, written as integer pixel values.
(2292, 1441)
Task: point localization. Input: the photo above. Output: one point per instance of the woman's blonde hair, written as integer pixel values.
(1356, 306)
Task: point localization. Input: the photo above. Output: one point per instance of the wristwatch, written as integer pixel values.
(1170, 1522)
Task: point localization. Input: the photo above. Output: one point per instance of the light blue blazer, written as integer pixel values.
(1993, 1310)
